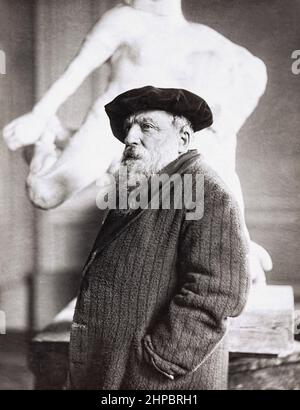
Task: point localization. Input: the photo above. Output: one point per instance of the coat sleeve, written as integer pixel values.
(213, 285)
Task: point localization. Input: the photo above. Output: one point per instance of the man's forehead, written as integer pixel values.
(150, 115)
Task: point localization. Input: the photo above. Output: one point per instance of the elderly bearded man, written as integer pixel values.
(158, 287)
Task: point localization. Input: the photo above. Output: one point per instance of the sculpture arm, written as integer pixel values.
(100, 44)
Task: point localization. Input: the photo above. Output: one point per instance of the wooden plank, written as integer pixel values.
(255, 373)
(267, 323)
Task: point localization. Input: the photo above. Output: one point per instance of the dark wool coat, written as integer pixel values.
(156, 293)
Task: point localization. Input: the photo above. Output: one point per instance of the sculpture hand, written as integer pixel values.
(259, 263)
(24, 130)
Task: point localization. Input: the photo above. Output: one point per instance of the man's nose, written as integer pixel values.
(134, 135)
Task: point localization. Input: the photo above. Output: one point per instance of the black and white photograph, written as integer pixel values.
(149, 197)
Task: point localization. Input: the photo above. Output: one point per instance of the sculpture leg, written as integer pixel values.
(259, 259)
(85, 158)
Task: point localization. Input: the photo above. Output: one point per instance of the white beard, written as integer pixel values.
(140, 166)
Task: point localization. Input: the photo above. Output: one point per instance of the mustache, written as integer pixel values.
(132, 152)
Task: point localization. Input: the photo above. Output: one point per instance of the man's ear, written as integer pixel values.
(185, 138)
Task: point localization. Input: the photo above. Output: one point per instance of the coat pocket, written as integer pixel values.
(170, 370)
(142, 375)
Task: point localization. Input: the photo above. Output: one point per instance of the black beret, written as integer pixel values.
(173, 100)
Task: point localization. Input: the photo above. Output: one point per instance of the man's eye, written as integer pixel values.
(146, 126)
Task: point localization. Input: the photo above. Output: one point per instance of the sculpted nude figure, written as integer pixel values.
(145, 42)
